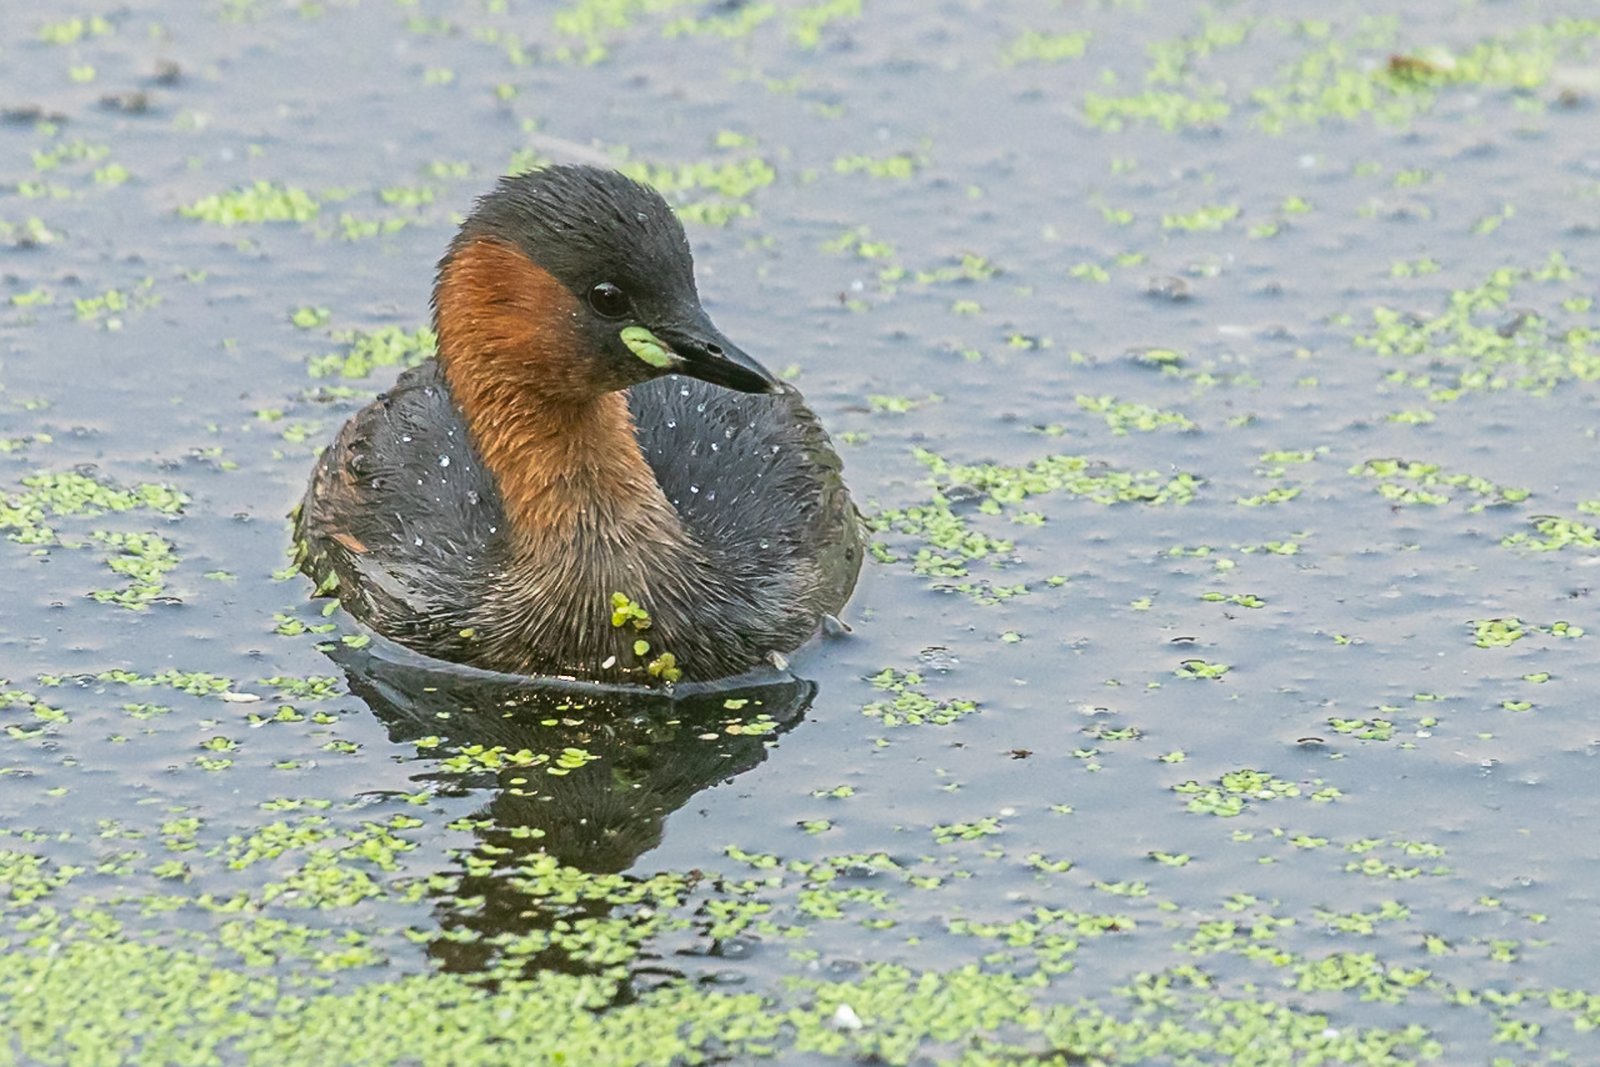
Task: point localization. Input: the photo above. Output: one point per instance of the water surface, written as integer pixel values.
(1220, 383)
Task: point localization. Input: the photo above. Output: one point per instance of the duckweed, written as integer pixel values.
(1554, 533)
(1234, 791)
(730, 184)
(948, 542)
(1036, 47)
(1429, 480)
(1476, 345)
(1210, 217)
(1122, 416)
(899, 166)
(260, 202)
(367, 351)
(911, 706)
(32, 516)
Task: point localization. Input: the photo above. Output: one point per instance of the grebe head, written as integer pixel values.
(575, 282)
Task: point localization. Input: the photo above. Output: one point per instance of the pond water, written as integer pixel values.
(1219, 381)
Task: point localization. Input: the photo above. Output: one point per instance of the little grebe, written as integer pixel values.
(589, 480)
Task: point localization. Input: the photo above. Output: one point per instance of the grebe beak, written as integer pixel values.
(704, 353)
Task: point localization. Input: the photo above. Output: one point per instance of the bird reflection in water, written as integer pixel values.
(579, 781)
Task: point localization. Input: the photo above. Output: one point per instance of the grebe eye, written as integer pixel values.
(609, 300)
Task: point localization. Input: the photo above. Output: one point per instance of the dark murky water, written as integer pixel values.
(1222, 383)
